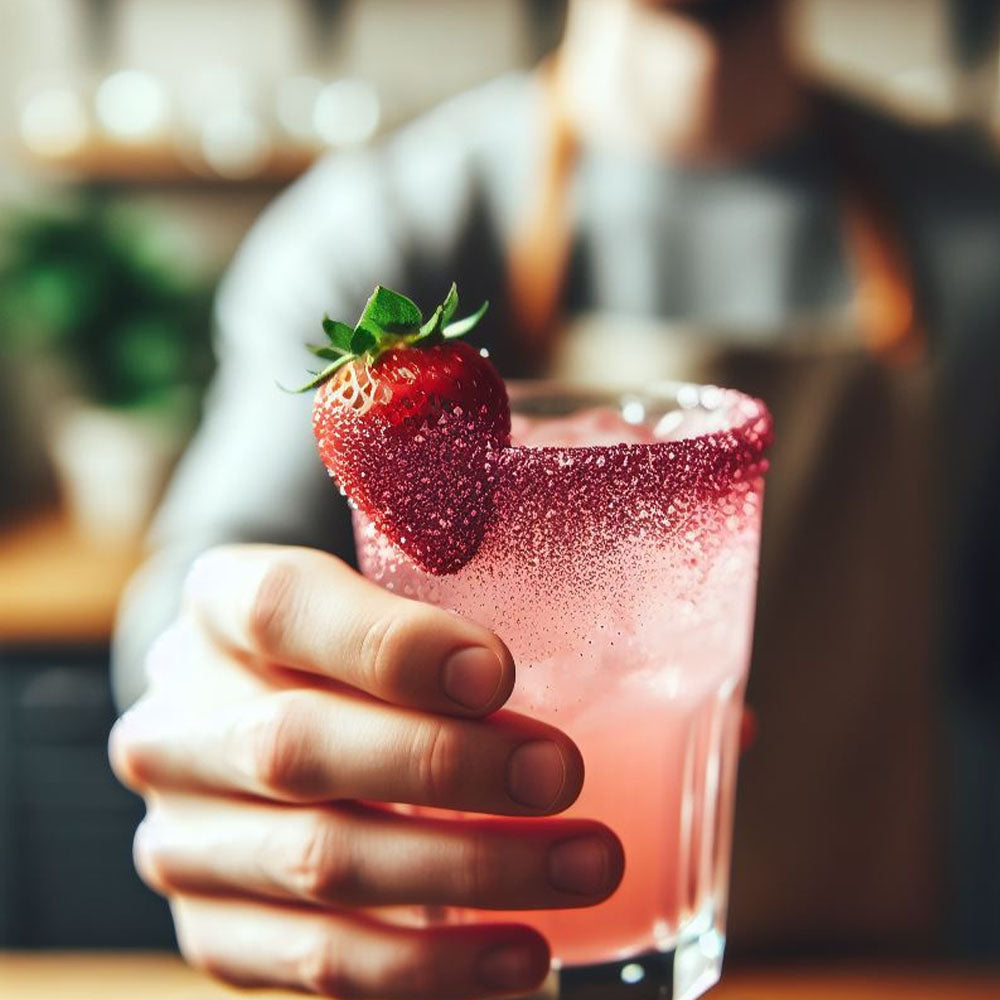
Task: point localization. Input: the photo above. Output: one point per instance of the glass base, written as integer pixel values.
(682, 973)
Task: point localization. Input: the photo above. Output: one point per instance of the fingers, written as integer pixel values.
(354, 957)
(354, 855)
(317, 746)
(304, 609)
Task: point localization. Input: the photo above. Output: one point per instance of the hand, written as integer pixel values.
(291, 701)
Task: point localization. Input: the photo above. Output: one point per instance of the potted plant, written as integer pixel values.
(90, 295)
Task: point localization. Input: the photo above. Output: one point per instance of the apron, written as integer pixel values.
(838, 834)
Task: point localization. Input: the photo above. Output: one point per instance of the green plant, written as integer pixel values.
(92, 285)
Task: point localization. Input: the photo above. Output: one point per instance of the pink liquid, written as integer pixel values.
(620, 567)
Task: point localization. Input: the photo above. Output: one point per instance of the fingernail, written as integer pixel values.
(536, 774)
(472, 676)
(582, 865)
(508, 968)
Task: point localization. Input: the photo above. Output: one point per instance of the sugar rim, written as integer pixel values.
(749, 426)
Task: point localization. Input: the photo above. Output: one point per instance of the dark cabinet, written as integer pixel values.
(66, 825)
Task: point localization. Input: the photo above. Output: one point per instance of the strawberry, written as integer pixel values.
(409, 421)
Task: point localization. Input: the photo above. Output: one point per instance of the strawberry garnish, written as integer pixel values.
(409, 421)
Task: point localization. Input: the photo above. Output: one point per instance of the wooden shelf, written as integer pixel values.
(59, 588)
(109, 163)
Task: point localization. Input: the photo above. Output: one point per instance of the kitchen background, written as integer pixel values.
(138, 141)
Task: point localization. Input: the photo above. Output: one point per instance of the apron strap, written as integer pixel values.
(886, 304)
(541, 243)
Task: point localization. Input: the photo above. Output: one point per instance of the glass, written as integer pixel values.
(622, 576)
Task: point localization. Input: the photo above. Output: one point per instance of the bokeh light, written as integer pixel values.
(54, 121)
(347, 112)
(132, 106)
(235, 143)
(295, 106)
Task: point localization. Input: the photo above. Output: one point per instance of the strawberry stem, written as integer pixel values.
(389, 320)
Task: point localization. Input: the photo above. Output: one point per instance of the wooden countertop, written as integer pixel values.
(58, 587)
(117, 976)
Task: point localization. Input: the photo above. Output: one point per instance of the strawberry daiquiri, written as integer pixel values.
(611, 539)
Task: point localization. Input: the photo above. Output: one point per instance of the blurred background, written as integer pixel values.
(139, 139)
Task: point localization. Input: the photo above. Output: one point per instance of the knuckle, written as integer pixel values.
(203, 575)
(197, 952)
(379, 655)
(479, 875)
(323, 870)
(279, 746)
(272, 606)
(149, 860)
(439, 761)
(386, 648)
(212, 965)
(120, 754)
(189, 945)
(325, 970)
(128, 753)
(190, 952)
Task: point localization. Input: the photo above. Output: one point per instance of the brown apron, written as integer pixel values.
(838, 840)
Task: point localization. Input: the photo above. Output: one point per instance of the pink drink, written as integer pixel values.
(620, 567)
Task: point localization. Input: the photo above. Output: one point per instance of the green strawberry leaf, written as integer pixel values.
(389, 320)
(320, 377)
(340, 334)
(326, 351)
(463, 326)
(450, 305)
(431, 327)
(389, 312)
(363, 340)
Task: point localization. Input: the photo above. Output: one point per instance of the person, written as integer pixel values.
(668, 163)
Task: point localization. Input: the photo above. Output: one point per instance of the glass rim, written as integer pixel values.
(748, 431)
